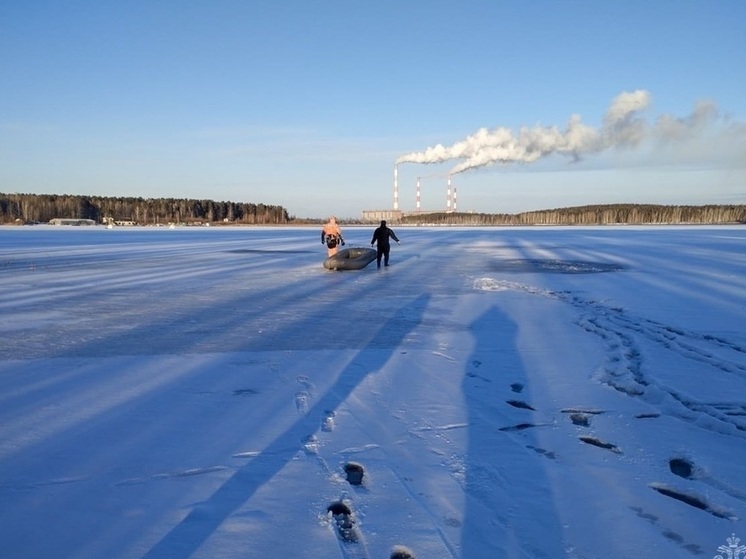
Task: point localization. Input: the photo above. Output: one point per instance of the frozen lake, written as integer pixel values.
(509, 392)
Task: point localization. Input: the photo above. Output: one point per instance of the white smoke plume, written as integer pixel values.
(670, 128)
(623, 127)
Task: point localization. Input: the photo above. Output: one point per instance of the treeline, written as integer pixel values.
(629, 214)
(41, 208)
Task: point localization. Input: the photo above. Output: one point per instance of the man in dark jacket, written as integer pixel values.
(381, 236)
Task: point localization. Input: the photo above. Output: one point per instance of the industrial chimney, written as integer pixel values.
(448, 195)
(418, 195)
(396, 187)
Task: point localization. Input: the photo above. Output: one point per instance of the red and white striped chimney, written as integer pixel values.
(448, 195)
(418, 194)
(396, 187)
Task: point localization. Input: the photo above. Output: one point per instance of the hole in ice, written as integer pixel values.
(245, 392)
(516, 387)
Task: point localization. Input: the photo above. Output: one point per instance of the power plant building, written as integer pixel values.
(378, 215)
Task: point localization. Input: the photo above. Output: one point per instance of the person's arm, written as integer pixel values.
(322, 236)
(373, 240)
(393, 236)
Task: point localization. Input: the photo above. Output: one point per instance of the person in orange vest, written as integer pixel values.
(331, 236)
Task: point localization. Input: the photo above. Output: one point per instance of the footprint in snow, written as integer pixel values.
(343, 521)
(301, 401)
(354, 472)
(304, 381)
(601, 444)
(667, 532)
(479, 377)
(518, 427)
(516, 387)
(311, 444)
(692, 500)
(681, 467)
(519, 404)
(581, 417)
(402, 552)
(543, 452)
(328, 422)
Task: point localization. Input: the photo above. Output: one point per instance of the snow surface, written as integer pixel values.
(509, 392)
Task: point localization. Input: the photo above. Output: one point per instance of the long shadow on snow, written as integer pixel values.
(189, 319)
(509, 508)
(187, 536)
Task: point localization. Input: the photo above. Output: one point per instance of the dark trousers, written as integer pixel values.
(383, 251)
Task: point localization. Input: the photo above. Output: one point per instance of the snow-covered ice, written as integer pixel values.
(508, 392)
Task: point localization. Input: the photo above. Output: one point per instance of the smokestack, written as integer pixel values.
(454, 198)
(418, 194)
(396, 187)
(448, 195)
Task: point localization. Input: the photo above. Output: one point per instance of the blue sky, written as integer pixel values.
(309, 104)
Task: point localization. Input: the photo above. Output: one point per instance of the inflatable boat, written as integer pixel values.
(350, 259)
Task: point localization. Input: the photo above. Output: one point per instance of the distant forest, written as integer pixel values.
(630, 214)
(41, 208)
